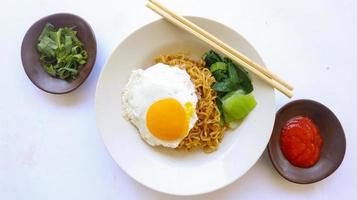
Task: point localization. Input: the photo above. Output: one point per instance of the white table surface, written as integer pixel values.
(50, 147)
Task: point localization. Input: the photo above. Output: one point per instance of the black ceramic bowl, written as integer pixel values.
(31, 58)
(333, 147)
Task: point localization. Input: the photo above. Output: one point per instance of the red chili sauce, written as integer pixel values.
(300, 141)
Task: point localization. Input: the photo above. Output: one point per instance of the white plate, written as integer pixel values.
(166, 170)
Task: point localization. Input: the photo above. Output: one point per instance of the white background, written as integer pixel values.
(49, 144)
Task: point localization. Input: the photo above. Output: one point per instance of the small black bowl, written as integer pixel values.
(31, 58)
(333, 147)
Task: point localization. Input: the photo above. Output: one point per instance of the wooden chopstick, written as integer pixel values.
(178, 23)
(222, 44)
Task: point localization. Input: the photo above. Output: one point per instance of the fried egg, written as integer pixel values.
(161, 102)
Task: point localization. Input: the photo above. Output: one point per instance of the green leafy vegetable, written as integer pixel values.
(218, 66)
(61, 52)
(233, 86)
(220, 75)
(236, 105)
(225, 86)
(243, 78)
(233, 74)
(211, 57)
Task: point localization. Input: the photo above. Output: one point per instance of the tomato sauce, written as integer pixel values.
(300, 141)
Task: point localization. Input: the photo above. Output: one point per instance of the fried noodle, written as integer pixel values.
(207, 133)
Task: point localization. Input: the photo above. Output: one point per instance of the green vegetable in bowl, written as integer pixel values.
(234, 87)
(61, 52)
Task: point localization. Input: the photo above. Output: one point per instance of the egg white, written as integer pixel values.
(150, 85)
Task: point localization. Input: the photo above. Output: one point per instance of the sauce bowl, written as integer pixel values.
(333, 146)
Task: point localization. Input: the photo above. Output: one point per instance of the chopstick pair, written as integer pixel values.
(211, 40)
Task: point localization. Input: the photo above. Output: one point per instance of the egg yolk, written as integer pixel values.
(167, 119)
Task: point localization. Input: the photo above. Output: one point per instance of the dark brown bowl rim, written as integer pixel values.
(90, 30)
(292, 103)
